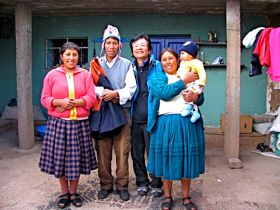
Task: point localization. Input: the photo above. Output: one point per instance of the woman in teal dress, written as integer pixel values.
(177, 147)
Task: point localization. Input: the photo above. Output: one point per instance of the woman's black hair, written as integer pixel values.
(69, 45)
(140, 36)
(170, 50)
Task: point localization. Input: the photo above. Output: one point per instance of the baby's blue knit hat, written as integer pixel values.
(190, 47)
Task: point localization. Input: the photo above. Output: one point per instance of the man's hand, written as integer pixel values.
(110, 95)
(116, 100)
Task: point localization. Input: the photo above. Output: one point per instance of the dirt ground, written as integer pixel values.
(254, 187)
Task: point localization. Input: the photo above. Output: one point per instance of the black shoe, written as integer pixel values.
(167, 203)
(103, 193)
(156, 192)
(63, 201)
(142, 191)
(124, 194)
(76, 200)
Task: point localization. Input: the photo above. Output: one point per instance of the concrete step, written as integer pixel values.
(215, 137)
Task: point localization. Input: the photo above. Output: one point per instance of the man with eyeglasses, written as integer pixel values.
(144, 65)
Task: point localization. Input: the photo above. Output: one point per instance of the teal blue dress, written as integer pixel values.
(177, 147)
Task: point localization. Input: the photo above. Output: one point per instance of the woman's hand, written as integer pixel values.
(60, 109)
(190, 96)
(68, 103)
(190, 77)
(65, 103)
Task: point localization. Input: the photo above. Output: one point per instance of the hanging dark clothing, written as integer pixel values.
(109, 119)
(256, 67)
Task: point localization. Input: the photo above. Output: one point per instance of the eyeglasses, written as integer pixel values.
(140, 45)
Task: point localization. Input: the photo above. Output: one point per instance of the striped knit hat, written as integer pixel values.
(113, 32)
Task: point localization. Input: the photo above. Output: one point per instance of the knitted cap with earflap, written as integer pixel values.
(190, 47)
(113, 32)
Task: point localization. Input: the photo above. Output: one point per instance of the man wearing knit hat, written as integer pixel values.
(189, 63)
(112, 32)
(120, 75)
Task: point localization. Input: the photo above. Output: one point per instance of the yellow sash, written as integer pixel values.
(71, 90)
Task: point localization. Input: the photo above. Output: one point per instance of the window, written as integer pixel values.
(53, 47)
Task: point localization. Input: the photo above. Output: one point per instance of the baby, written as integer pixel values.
(189, 63)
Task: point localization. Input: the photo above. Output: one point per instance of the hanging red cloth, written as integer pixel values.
(96, 70)
(262, 48)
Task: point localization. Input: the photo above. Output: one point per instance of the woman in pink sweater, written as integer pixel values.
(67, 151)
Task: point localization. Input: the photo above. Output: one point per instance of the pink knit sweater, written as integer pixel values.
(55, 87)
(274, 68)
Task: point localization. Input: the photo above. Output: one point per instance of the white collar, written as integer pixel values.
(110, 64)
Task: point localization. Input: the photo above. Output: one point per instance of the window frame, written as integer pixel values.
(51, 55)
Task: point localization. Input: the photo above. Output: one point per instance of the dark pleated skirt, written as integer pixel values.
(67, 149)
(177, 148)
